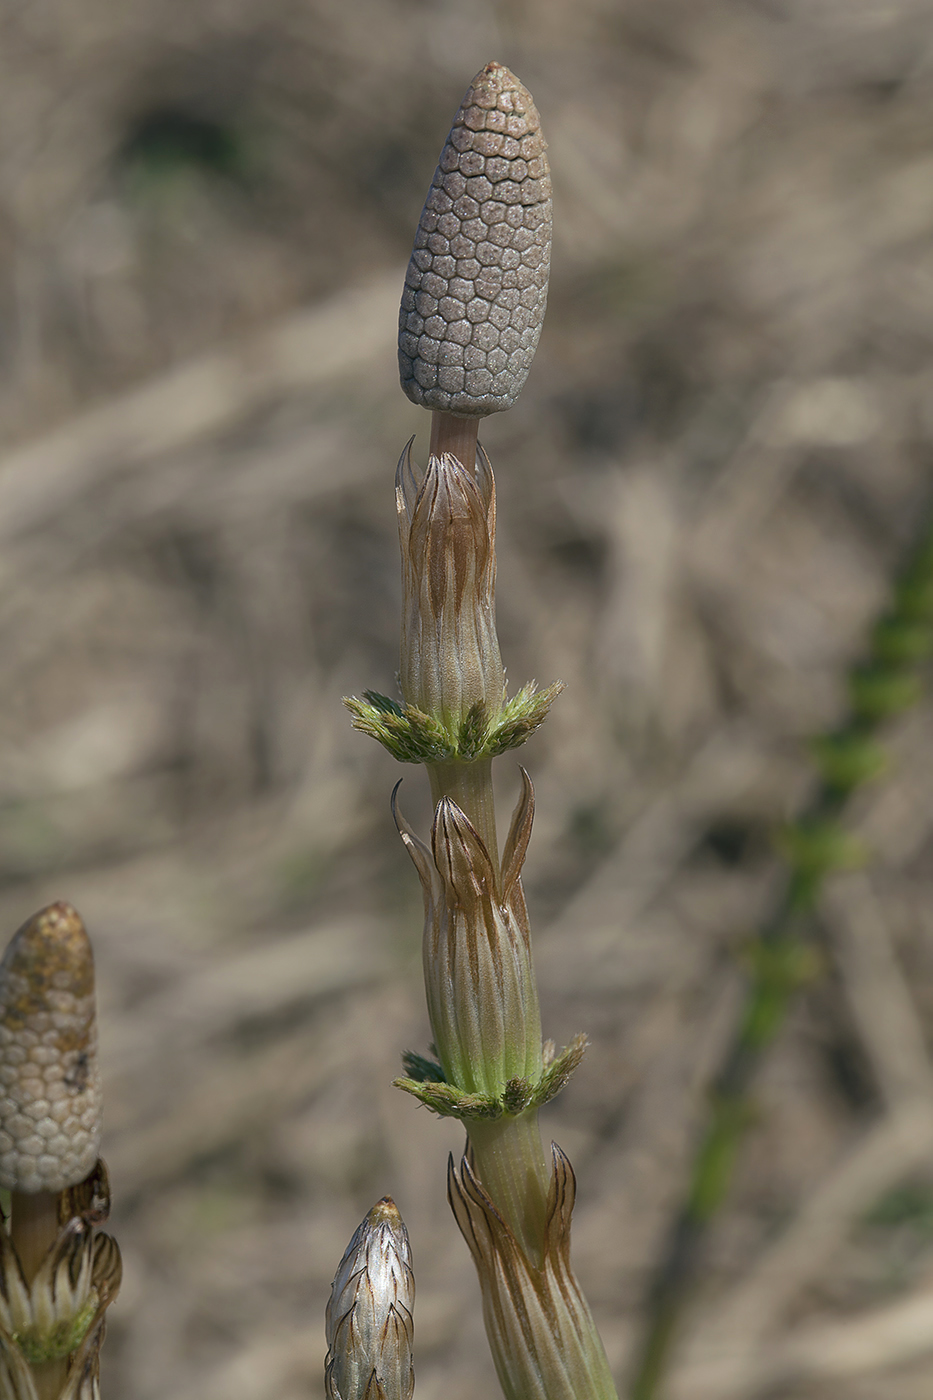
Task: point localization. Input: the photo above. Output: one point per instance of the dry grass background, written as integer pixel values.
(724, 447)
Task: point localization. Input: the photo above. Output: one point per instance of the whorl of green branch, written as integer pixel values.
(425, 1081)
(411, 736)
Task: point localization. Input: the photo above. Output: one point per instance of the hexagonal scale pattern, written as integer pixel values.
(50, 1093)
(476, 286)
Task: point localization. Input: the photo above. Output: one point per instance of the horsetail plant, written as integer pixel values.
(57, 1277)
(471, 314)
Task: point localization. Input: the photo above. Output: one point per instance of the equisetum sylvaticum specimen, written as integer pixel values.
(471, 314)
(57, 1275)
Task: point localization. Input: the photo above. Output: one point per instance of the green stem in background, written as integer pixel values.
(781, 959)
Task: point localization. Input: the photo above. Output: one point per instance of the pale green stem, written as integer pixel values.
(509, 1160)
(509, 1156)
(470, 786)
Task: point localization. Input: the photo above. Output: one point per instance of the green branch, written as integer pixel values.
(412, 736)
(780, 960)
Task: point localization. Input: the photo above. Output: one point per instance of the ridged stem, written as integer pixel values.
(509, 1160)
(815, 846)
(509, 1156)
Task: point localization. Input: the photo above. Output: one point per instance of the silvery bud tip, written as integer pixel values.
(370, 1328)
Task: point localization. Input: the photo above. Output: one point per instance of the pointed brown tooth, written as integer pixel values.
(480, 986)
(540, 1329)
(450, 664)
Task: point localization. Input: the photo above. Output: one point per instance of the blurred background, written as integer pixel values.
(723, 450)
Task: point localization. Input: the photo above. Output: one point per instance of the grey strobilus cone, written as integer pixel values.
(476, 287)
(370, 1328)
(471, 314)
(57, 1274)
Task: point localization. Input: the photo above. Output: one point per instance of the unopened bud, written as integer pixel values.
(50, 1109)
(450, 665)
(370, 1329)
(481, 992)
(476, 287)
